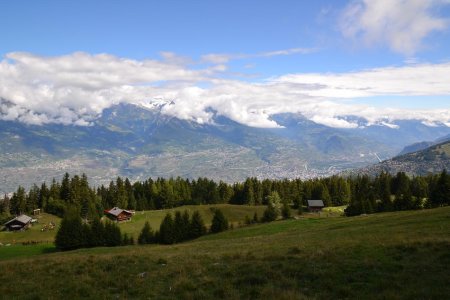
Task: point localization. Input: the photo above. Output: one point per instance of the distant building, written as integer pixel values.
(315, 205)
(118, 214)
(21, 222)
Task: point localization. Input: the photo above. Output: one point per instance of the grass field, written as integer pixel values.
(34, 233)
(400, 255)
(234, 213)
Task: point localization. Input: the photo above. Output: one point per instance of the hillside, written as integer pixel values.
(140, 142)
(423, 145)
(234, 213)
(430, 160)
(400, 255)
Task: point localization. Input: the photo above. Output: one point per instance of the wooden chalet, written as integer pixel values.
(21, 222)
(315, 205)
(118, 214)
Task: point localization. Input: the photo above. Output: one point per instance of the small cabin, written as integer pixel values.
(315, 205)
(118, 214)
(21, 222)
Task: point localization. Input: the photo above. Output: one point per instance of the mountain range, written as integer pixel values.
(141, 142)
(432, 159)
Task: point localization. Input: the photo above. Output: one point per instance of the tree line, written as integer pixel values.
(182, 228)
(73, 233)
(363, 194)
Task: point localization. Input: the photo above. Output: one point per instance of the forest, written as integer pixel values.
(362, 194)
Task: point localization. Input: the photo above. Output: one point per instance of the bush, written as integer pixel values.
(286, 211)
(270, 214)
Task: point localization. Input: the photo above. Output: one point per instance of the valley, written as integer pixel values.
(139, 143)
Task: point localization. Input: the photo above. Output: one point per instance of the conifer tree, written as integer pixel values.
(197, 227)
(219, 222)
(440, 192)
(88, 236)
(178, 229)
(185, 227)
(113, 236)
(249, 193)
(166, 230)
(98, 233)
(146, 236)
(70, 233)
(18, 202)
(65, 188)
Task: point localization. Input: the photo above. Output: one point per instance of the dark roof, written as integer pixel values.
(115, 211)
(315, 203)
(24, 219)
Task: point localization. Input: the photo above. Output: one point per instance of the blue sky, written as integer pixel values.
(318, 37)
(142, 29)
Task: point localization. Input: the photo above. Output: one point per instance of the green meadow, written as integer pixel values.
(397, 255)
(235, 214)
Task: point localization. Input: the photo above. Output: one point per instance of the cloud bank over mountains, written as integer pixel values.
(402, 25)
(76, 88)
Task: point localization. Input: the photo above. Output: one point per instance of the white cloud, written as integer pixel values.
(412, 80)
(400, 24)
(75, 88)
(217, 58)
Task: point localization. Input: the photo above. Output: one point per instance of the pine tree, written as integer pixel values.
(197, 227)
(146, 236)
(65, 189)
(88, 236)
(185, 227)
(18, 202)
(440, 192)
(70, 233)
(98, 233)
(166, 230)
(225, 192)
(219, 222)
(113, 236)
(122, 196)
(249, 193)
(178, 229)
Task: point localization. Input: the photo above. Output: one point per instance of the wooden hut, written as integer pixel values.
(315, 205)
(118, 214)
(21, 222)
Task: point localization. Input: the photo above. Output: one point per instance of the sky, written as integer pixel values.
(66, 61)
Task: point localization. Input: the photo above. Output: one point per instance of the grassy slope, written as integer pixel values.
(235, 214)
(402, 255)
(34, 233)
